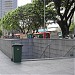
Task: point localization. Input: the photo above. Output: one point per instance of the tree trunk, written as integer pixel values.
(64, 28)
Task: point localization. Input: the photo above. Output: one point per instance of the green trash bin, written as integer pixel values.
(29, 35)
(17, 52)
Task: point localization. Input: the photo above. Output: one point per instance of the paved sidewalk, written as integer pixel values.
(39, 67)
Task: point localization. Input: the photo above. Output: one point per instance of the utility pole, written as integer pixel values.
(44, 16)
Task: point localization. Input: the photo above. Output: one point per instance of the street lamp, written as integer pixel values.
(44, 15)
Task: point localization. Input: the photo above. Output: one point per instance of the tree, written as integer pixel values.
(38, 12)
(28, 17)
(0, 32)
(72, 26)
(65, 18)
(9, 22)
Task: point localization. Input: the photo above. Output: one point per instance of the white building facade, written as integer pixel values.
(6, 6)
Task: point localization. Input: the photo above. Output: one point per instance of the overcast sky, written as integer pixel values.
(23, 2)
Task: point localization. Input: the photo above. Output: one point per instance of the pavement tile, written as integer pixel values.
(39, 67)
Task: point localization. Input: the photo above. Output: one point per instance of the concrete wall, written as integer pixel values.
(52, 47)
(6, 47)
(39, 48)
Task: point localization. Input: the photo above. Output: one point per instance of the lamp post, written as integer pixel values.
(44, 15)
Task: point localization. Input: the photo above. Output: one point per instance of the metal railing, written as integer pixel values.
(70, 52)
(45, 51)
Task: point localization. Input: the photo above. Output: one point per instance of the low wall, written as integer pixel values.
(52, 47)
(38, 48)
(6, 47)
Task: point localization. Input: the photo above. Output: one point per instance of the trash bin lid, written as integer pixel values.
(17, 44)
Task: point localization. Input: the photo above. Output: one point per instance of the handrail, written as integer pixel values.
(69, 50)
(63, 56)
(45, 50)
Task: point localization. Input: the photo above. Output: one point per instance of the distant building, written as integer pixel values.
(6, 6)
(54, 29)
(51, 26)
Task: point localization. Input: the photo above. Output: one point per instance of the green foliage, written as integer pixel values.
(0, 33)
(72, 26)
(28, 17)
(9, 21)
